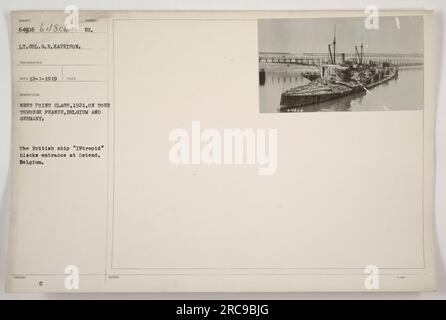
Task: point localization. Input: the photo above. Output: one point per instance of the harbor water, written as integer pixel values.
(403, 93)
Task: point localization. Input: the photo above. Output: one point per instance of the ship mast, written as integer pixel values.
(361, 51)
(334, 45)
(362, 41)
(329, 53)
(359, 54)
(332, 55)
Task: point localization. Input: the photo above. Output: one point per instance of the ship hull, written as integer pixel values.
(288, 101)
(292, 100)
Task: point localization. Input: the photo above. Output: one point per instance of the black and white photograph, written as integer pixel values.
(341, 64)
(222, 157)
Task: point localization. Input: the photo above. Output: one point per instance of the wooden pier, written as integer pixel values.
(291, 60)
(317, 59)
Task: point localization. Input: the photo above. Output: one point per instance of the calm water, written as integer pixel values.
(403, 93)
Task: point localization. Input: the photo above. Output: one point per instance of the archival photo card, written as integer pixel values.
(341, 64)
(141, 161)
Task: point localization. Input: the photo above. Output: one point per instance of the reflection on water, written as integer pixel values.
(403, 93)
(339, 104)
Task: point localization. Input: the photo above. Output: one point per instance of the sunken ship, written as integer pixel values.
(335, 80)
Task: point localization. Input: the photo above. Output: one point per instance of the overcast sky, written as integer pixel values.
(313, 35)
